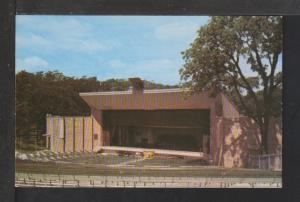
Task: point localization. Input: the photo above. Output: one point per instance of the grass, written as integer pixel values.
(88, 169)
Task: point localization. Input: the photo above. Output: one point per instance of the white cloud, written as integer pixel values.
(31, 40)
(89, 45)
(58, 26)
(61, 34)
(144, 65)
(33, 63)
(176, 30)
(75, 44)
(158, 70)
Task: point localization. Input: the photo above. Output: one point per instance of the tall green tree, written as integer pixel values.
(226, 50)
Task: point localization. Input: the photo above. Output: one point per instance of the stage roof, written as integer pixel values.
(148, 100)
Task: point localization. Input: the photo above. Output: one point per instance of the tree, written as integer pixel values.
(225, 49)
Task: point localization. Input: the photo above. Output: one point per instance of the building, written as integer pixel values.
(168, 119)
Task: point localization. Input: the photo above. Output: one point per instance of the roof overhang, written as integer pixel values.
(147, 100)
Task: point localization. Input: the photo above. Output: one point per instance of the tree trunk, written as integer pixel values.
(266, 118)
(264, 130)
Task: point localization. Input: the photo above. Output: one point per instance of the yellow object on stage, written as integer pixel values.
(148, 154)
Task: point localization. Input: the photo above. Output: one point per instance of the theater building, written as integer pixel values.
(168, 119)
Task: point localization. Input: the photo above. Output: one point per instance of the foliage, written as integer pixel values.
(224, 49)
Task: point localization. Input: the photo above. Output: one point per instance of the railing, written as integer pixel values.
(267, 161)
(33, 180)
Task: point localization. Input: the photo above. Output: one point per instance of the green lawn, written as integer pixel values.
(88, 169)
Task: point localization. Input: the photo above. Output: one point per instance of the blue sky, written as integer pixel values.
(106, 46)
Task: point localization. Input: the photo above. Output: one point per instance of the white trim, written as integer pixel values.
(171, 90)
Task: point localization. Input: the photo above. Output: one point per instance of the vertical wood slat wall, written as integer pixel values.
(78, 134)
(88, 135)
(70, 134)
